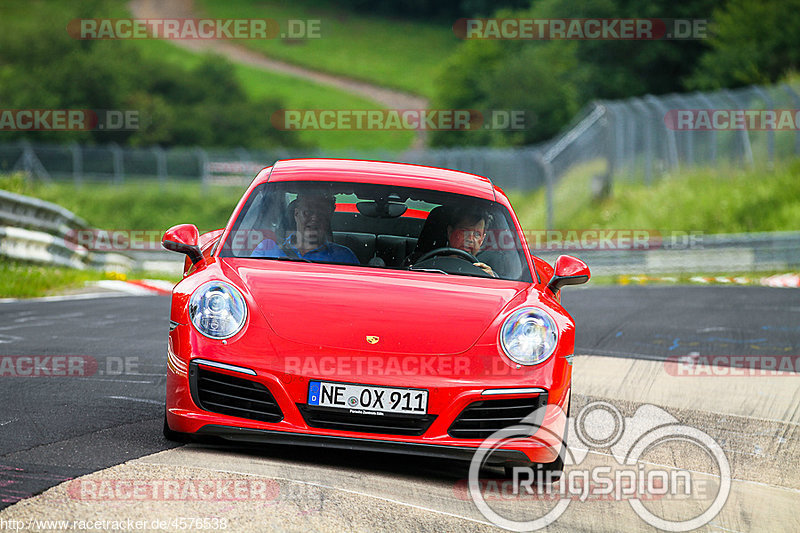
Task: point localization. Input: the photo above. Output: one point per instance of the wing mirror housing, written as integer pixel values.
(569, 271)
(183, 239)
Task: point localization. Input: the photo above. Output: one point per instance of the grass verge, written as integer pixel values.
(718, 200)
(737, 279)
(19, 279)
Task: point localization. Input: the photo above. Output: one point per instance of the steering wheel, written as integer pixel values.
(446, 250)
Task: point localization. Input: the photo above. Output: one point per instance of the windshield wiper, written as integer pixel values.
(429, 270)
(285, 258)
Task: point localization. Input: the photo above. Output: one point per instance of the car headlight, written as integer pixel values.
(529, 336)
(217, 310)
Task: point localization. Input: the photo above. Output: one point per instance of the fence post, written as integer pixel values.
(747, 150)
(116, 157)
(648, 139)
(77, 163)
(710, 105)
(202, 159)
(796, 100)
(672, 147)
(547, 169)
(161, 164)
(770, 132)
(689, 138)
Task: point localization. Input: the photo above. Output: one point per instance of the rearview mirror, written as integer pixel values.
(183, 239)
(381, 209)
(569, 271)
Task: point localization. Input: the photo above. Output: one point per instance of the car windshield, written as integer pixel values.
(378, 226)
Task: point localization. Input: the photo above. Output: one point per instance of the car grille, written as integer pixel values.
(480, 419)
(233, 396)
(386, 424)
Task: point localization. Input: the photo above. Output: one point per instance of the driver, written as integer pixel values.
(467, 232)
(312, 216)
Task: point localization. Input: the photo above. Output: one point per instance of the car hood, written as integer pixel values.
(340, 306)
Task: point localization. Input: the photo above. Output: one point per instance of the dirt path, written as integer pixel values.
(184, 9)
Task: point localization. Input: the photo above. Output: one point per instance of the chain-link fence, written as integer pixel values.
(636, 139)
(513, 169)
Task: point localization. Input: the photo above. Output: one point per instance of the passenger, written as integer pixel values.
(312, 215)
(467, 232)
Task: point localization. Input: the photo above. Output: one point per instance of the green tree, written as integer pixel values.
(551, 80)
(754, 42)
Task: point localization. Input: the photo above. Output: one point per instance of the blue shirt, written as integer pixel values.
(329, 252)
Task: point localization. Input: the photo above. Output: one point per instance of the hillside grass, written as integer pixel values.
(295, 93)
(291, 92)
(392, 52)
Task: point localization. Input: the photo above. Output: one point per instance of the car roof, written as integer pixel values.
(379, 172)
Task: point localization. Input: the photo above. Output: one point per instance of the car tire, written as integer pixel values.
(174, 436)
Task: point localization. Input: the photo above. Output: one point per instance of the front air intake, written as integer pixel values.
(480, 419)
(231, 395)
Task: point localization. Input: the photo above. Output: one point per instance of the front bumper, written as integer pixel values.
(185, 415)
(240, 434)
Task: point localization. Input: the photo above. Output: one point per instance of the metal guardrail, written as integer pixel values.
(742, 252)
(35, 230)
(38, 231)
(25, 212)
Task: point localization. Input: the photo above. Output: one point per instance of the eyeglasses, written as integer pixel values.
(475, 234)
(310, 210)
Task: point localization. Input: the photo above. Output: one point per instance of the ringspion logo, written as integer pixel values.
(631, 476)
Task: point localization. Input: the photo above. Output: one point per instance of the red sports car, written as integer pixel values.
(370, 305)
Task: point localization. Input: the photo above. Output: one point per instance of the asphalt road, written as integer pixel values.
(657, 323)
(58, 427)
(54, 428)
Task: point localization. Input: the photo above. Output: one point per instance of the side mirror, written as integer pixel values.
(183, 239)
(569, 271)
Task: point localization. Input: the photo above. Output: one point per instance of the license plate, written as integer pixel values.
(367, 399)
